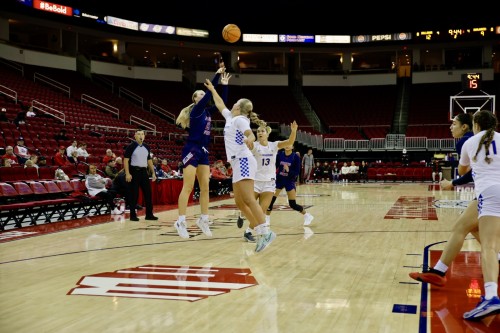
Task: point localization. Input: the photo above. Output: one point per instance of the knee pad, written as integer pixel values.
(270, 208)
(294, 206)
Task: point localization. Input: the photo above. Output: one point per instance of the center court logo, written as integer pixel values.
(179, 283)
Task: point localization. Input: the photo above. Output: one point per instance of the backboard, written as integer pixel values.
(461, 103)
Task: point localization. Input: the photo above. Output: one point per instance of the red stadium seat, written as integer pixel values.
(31, 173)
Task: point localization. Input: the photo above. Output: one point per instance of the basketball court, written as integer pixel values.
(346, 272)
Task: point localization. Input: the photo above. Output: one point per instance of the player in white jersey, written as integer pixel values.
(238, 137)
(481, 153)
(265, 178)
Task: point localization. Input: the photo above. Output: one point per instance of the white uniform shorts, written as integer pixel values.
(261, 186)
(243, 168)
(488, 202)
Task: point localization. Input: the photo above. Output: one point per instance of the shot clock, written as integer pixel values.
(471, 81)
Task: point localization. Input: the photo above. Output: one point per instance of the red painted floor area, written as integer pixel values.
(461, 294)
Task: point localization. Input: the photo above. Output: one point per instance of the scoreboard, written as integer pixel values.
(476, 33)
(471, 81)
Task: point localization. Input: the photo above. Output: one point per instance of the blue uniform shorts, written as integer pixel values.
(193, 154)
(285, 183)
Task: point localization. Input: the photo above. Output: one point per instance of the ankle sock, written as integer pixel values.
(441, 267)
(261, 229)
(435, 271)
(490, 290)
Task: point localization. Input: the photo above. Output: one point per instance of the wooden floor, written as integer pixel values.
(346, 272)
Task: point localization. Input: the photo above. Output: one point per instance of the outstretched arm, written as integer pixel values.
(291, 138)
(219, 103)
(224, 81)
(220, 71)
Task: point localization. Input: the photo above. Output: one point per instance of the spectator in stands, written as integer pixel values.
(335, 171)
(353, 171)
(71, 148)
(61, 136)
(60, 158)
(9, 155)
(20, 118)
(157, 168)
(34, 160)
(82, 150)
(217, 171)
(137, 163)
(405, 159)
(219, 179)
(363, 172)
(327, 172)
(229, 169)
(109, 156)
(437, 171)
(21, 151)
(42, 162)
(3, 115)
(307, 165)
(28, 164)
(30, 113)
(344, 173)
(60, 174)
(74, 157)
(180, 168)
(111, 170)
(317, 172)
(98, 187)
(6, 163)
(118, 163)
(167, 170)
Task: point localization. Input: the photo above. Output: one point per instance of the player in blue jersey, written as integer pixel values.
(197, 119)
(238, 138)
(288, 164)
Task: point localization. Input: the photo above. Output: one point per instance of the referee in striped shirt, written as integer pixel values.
(136, 162)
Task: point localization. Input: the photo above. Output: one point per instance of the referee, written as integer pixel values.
(136, 161)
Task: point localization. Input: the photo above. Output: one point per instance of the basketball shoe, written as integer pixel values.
(181, 228)
(249, 237)
(484, 308)
(430, 275)
(239, 223)
(204, 226)
(308, 218)
(264, 241)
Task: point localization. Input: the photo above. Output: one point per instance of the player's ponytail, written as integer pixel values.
(486, 121)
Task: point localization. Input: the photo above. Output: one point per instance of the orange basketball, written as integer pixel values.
(231, 33)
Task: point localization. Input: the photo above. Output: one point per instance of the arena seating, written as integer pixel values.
(388, 173)
(34, 202)
(362, 106)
